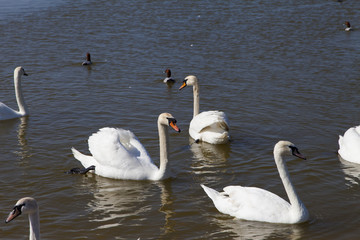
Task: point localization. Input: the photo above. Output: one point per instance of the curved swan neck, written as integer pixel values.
(163, 141)
(19, 96)
(196, 99)
(285, 178)
(34, 226)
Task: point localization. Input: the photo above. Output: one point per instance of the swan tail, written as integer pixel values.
(213, 194)
(86, 161)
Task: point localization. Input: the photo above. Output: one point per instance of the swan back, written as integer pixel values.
(118, 148)
(349, 149)
(211, 127)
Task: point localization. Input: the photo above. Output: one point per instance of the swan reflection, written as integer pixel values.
(122, 205)
(209, 154)
(351, 171)
(240, 229)
(8, 127)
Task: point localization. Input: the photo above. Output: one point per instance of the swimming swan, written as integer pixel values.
(27, 205)
(256, 204)
(8, 113)
(209, 126)
(349, 145)
(117, 153)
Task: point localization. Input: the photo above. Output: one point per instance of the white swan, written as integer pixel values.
(349, 145)
(209, 126)
(117, 153)
(27, 205)
(256, 204)
(8, 113)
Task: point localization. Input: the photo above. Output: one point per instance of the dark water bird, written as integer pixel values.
(88, 60)
(168, 79)
(80, 170)
(348, 26)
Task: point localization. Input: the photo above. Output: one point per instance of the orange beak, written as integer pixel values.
(183, 85)
(173, 125)
(14, 213)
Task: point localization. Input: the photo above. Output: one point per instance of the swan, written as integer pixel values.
(88, 60)
(117, 153)
(349, 145)
(168, 79)
(210, 126)
(27, 205)
(256, 204)
(8, 113)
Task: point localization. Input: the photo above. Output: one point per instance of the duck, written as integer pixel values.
(118, 154)
(88, 60)
(348, 26)
(168, 79)
(6, 112)
(29, 206)
(349, 145)
(256, 204)
(209, 126)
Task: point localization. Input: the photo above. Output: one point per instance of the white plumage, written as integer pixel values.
(256, 204)
(117, 153)
(9, 113)
(209, 126)
(349, 145)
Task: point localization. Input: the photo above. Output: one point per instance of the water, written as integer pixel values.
(279, 69)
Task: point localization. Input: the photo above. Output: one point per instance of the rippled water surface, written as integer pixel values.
(279, 69)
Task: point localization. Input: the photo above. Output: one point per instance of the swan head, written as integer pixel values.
(26, 205)
(168, 120)
(20, 71)
(287, 148)
(190, 80)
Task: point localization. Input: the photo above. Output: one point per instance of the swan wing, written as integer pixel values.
(349, 145)
(251, 203)
(7, 113)
(210, 126)
(118, 148)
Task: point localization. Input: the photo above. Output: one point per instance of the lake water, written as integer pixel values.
(278, 69)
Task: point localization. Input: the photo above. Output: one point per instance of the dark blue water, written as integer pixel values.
(279, 70)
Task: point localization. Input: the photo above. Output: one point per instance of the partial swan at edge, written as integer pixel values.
(9, 113)
(209, 126)
(256, 204)
(27, 205)
(117, 153)
(349, 145)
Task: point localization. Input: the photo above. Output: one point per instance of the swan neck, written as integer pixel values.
(285, 178)
(163, 141)
(23, 110)
(34, 226)
(196, 99)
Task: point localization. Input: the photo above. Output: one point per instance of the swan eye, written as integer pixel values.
(171, 120)
(295, 152)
